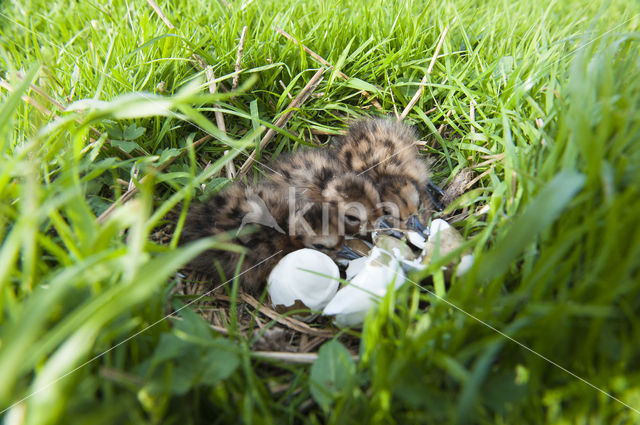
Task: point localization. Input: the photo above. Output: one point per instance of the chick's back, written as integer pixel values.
(379, 148)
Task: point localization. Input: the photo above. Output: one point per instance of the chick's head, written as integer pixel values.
(354, 200)
(399, 198)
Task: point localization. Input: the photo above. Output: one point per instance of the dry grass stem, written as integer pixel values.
(393, 100)
(416, 96)
(28, 99)
(472, 115)
(236, 77)
(289, 322)
(443, 125)
(160, 14)
(284, 86)
(284, 118)
(291, 357)
(321, 132)
(211, 84)
(478, 178)
(307, 358)
(491, 159)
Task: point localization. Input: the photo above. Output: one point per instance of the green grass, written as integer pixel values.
(553, 222)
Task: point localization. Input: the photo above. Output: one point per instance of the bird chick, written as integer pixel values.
(316, 176)
(306, 201)
(384, 151)
(230, 211)
(382, 147)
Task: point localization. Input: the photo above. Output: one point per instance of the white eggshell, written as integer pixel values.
(351, 303)
(413, 265)
(447, 239)
(438, 225)
(351, 319)
(292, 279)
(356, 266)
(465, 264)
(443, 237)
(416, 239)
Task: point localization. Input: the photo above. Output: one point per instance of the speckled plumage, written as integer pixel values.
(305, 194)
(313, 198)
(319, 177)
(384, 151)
(224, 213)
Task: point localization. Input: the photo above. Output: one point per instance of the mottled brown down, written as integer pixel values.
(264, 247)
(306, 195)
(319, 177)
(384, 151)
(314, 197)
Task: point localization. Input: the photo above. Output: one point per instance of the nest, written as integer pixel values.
(272, 334)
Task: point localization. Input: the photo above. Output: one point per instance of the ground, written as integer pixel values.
(111, 120)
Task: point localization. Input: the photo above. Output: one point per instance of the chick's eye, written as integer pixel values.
(352, 219)
(319, 246)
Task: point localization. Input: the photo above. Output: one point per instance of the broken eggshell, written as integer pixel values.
(358, 246)
(394, 246)
(444, 239)
(355, 267)
(400, 251)
(351, 303)
(303, 278)
(466, 261)
(416, 239)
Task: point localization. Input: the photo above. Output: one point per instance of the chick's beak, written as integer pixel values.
(386, 228)
(414, 224)
(347, 253)
(434, 192)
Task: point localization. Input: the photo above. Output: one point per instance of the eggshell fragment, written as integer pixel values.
(297, 278)
(437, 225)
(356, 266)
(358, 245)
(446, 239)
(394, 246)
(416, 239)
(413, 265)
(442, 237)
(465, 264)
(351, 303)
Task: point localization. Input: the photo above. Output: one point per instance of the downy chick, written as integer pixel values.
(384, 151)
(316, 176)
(231, 210)
(301, 204)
